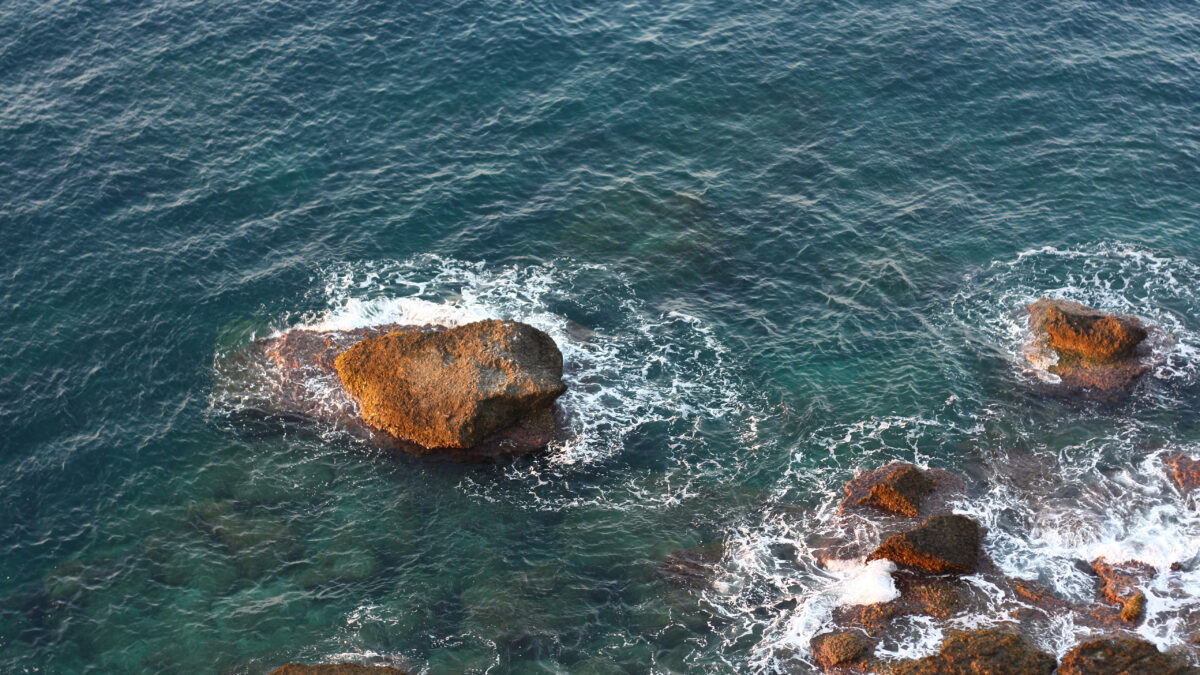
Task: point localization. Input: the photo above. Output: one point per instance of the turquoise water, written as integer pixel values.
(797, 236)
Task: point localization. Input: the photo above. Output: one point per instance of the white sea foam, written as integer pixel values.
(864, 584)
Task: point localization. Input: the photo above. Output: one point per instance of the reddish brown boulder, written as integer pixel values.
(897, 488)
(1185, 471)
(292, 377)
(453, 388)
(841, 648)
(335, 669)
(1119, 586)
(1093, 349)
(940, 545)
(980, 652)
(1122, 656)
(937, 597)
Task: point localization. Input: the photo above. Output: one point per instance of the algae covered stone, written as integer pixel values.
(453, 388)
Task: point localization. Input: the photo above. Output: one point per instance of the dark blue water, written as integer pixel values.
(798, 233)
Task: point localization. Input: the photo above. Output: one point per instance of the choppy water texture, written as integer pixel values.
(779, 242)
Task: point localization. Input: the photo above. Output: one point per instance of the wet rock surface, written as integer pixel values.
(1122, 656)
(898, 488)
(1185, 471)
(293, 378)
(453, 388)
(939, 545)
(841, 649)
(693, 567)
(1120, 585)
(1093, 352)
(979, 652)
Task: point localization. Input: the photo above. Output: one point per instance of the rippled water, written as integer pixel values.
(778, 243)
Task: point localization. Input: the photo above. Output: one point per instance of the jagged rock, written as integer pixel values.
(453, 388)
(940, 545)
(1122, 656)
(335, 669)
(1085, 347)
(979, 652)
(1185, 471)
(897, 488)
(1119, 586)
(841, 648)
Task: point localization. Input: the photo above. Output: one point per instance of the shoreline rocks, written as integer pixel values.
(1118, 656)
(1099, 354)
(1185, 471)
(897, 488)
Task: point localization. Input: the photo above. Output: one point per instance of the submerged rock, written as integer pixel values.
(1089, 350)
(1121, 656)
(479, 390)
(454, 388)
(940, 545)
(693, 567)
(1185, 471)
(979, 652)
(897, 488)
(335, 669)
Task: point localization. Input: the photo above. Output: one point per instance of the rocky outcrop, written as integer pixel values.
(479, 390)
(979, 652)
(454, 388)
(940, 545)
(1185, 471)
(1119, 585)
(335, 669)
(1122, 656)
(1089, 350)
(897, 488)
(841, 649)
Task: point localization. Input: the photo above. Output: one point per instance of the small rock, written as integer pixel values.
(980, 652)
(841, 648)
(693, 567)
(940, 545)
(1121, 656)
(897, 488)
(1185, 471)
(1119, 586)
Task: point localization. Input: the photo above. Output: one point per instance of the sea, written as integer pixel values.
(778, 243)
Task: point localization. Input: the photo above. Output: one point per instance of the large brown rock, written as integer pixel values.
(897, 488)
(940, 545)
(335, 669)
(979, 652)
(453, 388)
(1122, 656)
(1093, 350)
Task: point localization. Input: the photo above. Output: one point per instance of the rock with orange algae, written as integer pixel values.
(1119, 586)
(1185, 471)
(1122, 656)
(453, 388)
(940, 545)
(841, 650)
(897, 488)
(978, 652)
(1093, 351)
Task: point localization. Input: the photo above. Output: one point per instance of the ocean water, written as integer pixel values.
(778, 242)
